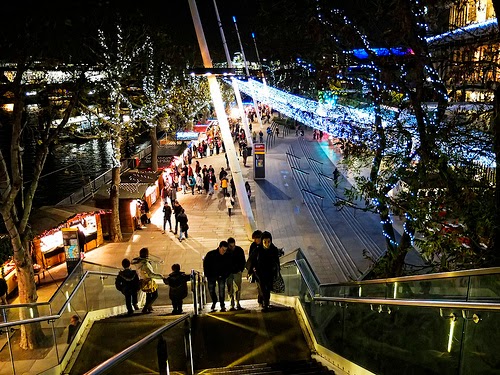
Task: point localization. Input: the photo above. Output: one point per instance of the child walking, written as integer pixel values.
(127, 282)
(177, 281)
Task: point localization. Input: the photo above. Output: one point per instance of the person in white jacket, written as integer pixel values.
(147, 276)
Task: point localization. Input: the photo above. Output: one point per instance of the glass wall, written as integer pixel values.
(402, 339)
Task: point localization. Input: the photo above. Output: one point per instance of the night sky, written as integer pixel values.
(69, 24)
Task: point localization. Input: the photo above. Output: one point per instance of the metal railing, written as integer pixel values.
(443, 323)
(90, 188)
(161, 349)
(89, 287)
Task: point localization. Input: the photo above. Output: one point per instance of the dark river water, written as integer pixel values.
(70, 165)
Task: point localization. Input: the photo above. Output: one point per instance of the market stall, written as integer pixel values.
(8, 270)
(48, 222)
(131, 195)
(153, 179)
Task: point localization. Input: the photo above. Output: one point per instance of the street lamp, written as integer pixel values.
(239, 183)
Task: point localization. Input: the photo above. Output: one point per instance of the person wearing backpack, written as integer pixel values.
(192, 183)
(177, 281)
(127, 282)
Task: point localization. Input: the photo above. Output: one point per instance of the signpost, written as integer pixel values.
(71, 247)
(259, 164)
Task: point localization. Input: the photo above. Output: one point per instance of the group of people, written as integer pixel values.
(223, 267)
(180, 216)
(129, 282)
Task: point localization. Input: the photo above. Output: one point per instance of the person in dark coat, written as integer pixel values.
(177, 211)
(177, 281)
(145, 213)
(167, 214)
(217, 267)
(263, 266)
(245, 155)
(256, 237)
(234, 280)
(127, 282)
(183, 225)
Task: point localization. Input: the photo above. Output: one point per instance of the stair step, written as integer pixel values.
(283, 368)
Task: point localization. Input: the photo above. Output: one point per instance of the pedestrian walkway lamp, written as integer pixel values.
(257, 112)
(234, 82)
(239, 183)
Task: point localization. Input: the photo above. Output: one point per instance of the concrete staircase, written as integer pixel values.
(242, 342)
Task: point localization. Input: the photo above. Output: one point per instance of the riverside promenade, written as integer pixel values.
(278, 207)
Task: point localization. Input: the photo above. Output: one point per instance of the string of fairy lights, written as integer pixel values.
(334, 118)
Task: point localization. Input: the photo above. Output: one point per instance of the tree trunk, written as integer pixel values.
(154, 148)
(31, 334)
(496, 149)
(114, 195)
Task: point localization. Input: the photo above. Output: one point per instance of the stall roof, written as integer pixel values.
(164, 161)
(127, 191)
(46, 218)
(139, 176)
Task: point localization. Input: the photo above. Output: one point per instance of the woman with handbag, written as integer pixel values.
(264, 266)
(147, 275)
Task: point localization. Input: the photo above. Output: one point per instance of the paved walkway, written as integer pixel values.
(278, 206)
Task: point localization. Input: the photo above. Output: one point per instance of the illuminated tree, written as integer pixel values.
(496, 149)
(188, 96)
(118, 59)
(153, 104)
(426, 152)
(16, 194)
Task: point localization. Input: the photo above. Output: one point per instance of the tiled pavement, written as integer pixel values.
(277, 205)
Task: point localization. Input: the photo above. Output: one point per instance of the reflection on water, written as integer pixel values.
(69, 166)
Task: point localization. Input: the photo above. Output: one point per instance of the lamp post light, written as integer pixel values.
(239, 183)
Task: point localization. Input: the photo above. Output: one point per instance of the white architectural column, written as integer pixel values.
(239, 182)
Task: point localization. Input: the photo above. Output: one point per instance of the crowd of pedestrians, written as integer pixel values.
(223, 268)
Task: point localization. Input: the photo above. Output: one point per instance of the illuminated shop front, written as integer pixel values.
(48, 223)
(131, 196)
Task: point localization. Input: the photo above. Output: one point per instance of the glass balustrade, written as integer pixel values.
(396, 338)
(90, 287)
(381, 326)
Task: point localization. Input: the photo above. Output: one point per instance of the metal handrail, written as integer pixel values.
(60, 313)
(317, 161)
(310, 192)
(427, 277)
(127, 352)
(300, 170)
(325, 176)
(31, 304)
(312, 292)
(295, 156)
(97, 264)
(415, 303)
